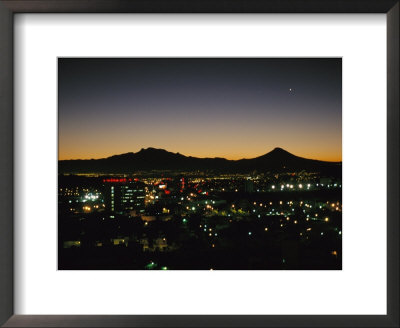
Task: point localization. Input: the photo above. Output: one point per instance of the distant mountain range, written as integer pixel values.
(159, 159)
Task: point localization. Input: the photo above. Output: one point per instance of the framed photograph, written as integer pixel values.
(199, 163)
(216, 201)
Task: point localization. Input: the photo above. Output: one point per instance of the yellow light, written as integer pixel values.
(288, 218)
(266, 229)
(326, 219)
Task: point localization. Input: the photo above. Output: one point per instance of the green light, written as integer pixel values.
(150, 266)
(164, 268)
(184, 220)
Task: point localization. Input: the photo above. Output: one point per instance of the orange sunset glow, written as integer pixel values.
(229, 108)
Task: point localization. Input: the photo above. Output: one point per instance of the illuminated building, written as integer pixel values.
(159, 244)
(124, 196)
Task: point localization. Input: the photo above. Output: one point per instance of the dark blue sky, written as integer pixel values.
(232, 108)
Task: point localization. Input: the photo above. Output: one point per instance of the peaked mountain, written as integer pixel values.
(159, 159)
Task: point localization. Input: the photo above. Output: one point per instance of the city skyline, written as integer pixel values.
(229, 108)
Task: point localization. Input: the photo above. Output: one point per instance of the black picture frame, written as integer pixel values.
(10, 7)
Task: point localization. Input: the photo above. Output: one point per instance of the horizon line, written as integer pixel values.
(244, 158)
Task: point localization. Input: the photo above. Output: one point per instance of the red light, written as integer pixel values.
(167, 192)
(114, 180)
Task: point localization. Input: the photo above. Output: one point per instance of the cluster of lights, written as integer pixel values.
(91, 197)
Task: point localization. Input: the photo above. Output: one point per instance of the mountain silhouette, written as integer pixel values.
(159, 159)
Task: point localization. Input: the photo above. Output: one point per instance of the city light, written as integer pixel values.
(201, 202)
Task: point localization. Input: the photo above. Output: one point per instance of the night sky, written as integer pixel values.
(232, 108)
